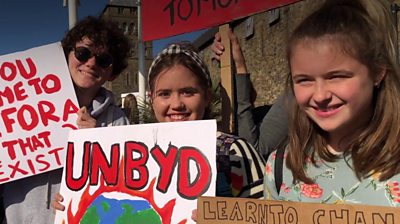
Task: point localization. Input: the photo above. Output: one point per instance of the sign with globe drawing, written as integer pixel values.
(150, 173)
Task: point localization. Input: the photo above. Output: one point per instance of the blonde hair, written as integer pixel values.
(131, 108)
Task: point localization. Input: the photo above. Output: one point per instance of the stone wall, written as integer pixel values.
(127, 80)
(265, 50)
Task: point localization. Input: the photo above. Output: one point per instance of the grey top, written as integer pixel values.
(28, 200)
(272, 130)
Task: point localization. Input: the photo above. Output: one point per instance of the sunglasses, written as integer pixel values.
(83, 54)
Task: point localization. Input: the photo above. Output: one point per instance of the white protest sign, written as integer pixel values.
(37, 109)
(150, 173)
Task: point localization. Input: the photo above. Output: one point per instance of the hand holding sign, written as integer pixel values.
(84, 119)
(218, 48)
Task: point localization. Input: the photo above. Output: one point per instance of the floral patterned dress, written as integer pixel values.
(334, 183)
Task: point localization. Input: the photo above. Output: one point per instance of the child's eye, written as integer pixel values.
(302, 81)
(188, 92)
(340, 75)
(163, 94)
(336, 77)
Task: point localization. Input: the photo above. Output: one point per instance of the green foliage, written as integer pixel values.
(146, 114)
(216, 103)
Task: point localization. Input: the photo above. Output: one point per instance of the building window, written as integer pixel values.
(128, 80)
(147, 52)
(132, 28)
(132, 11)
(125, 28)
(133, 50)
(120, 10)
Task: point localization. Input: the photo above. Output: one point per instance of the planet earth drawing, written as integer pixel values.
(108, 210)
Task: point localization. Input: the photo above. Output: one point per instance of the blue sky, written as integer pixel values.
(31, 23)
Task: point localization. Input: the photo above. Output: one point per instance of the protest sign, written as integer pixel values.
(241, 210)
(164, 18)
(37, 107)
(150, 173)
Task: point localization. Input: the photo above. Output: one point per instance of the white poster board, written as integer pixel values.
(37, 109)
(150, 173)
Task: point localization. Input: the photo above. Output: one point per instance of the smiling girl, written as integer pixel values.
(180, 86)
(344, 124)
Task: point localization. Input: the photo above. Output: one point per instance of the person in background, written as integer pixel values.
(96, 52)
(270, 130)
(344, 124)
(131, 108)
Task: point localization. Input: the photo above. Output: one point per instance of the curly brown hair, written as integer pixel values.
(104, 34)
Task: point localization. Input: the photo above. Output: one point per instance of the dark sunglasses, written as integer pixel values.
(83, 54)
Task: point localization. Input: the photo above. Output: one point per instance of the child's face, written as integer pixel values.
(88, 74)
(334, 89)
(178, 96)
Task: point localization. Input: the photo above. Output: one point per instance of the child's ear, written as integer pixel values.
(380, 77)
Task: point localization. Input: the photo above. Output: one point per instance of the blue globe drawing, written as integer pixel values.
(107, 210)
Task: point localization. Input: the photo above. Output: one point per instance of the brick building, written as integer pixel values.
(125, 14)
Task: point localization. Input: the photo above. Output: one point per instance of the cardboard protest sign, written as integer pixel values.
(241, 210)
(37, 109)
(164, 18)
(150, 173)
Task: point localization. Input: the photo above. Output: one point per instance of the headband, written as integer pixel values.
(177, 49)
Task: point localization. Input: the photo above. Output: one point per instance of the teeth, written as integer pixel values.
(327, 109)
(86, 73)
(177, 117)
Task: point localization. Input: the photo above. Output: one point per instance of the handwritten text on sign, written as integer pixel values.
(37, 109)
(165, 166)
(240, 210)
(164, 18)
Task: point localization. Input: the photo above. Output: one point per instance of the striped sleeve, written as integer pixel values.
(247, 170)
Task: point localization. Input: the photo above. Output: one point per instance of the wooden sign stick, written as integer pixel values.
(227, 93)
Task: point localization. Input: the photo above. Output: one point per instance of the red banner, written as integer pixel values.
(164, 18)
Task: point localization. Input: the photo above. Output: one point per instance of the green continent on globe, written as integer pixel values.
(105, 210)
(106, 206)
(91, 216)
(148, 216)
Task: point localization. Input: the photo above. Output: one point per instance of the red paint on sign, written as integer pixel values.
(164, 18)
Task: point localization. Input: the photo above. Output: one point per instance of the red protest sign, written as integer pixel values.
(149, 173)
(164, 18)
(37, 109)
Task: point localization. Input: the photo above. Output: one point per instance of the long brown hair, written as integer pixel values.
(363, 30)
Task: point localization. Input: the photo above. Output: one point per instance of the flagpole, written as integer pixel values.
(72, 13)
(141, 57)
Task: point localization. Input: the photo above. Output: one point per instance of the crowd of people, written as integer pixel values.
(334, 129)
